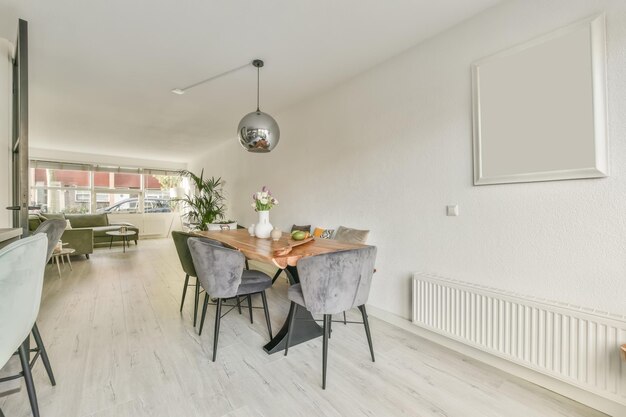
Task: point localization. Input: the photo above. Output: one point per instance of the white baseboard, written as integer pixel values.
(592, 400)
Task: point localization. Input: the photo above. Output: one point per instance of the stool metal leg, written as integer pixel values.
(367, 331)
(28, 377)
(44, 354)
(250, 308)
(196, 302)
(216, 331)
(327, 319)
(239, 304)
(56, 259)
(206, 303)
(182, 301)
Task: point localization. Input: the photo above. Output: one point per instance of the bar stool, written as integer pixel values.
(22, 266)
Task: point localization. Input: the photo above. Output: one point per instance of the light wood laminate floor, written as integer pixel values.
(119, 347)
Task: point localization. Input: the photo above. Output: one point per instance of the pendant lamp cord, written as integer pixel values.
(257, 88)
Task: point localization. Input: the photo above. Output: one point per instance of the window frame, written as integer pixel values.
(92, 189)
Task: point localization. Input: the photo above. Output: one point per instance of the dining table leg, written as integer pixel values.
(305, 328)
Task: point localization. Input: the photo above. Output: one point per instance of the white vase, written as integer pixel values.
(263, 228)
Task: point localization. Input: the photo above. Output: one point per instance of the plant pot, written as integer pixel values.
(263, 228)
(221, 226)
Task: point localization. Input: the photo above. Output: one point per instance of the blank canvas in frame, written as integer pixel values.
(540, 109)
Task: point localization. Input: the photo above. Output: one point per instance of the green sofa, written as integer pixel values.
(88, 230)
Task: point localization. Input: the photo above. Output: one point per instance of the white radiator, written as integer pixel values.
(576, 345)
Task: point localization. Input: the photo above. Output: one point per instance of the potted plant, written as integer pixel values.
(205, 206)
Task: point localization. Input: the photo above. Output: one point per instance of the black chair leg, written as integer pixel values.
(28, 377)
(367, 331)
(216, 331)
(276, 275)
(247, 266)
(182, 302)
(266, 310)
(330, 327)
(206, 303)
(250, 308)
(239, 304)
(327, 321)
(44, 354)
(196, 302)
(344, 318)
(292, 318)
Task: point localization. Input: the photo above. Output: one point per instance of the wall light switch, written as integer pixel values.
(452, 210)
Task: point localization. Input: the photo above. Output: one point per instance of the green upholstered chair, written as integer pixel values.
(186, 262)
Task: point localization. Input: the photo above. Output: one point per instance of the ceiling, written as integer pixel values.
(101, 71)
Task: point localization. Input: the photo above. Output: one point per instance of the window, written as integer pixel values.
(60, 178)
(60, 190)
(79, 188)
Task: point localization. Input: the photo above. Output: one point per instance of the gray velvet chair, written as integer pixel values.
(186, 262)
(332, 283)
(221, 273)
(22, 266)
(53, 229)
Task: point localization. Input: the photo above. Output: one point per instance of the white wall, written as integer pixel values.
(5, 131)
(390, 148)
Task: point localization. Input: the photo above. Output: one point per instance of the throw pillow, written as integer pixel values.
(306, 228)
(327, 234)
(348, 235)
(323, 233)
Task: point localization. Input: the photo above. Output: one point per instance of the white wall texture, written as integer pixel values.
(390, 148)
(5, 131)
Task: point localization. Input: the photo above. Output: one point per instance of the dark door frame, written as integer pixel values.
(20, 130)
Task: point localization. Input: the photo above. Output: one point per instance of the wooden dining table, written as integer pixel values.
(285, 255)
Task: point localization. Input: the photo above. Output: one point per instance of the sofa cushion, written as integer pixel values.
(88, 220)
(52, 216)
(33, 222)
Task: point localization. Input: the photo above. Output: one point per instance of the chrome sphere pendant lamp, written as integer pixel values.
(258, 131)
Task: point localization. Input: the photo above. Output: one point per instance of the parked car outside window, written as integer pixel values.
(131, 205)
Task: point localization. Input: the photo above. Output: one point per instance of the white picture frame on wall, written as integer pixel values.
(539, 109)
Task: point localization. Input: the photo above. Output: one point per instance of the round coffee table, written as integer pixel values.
(63, 254)
(124, 236)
